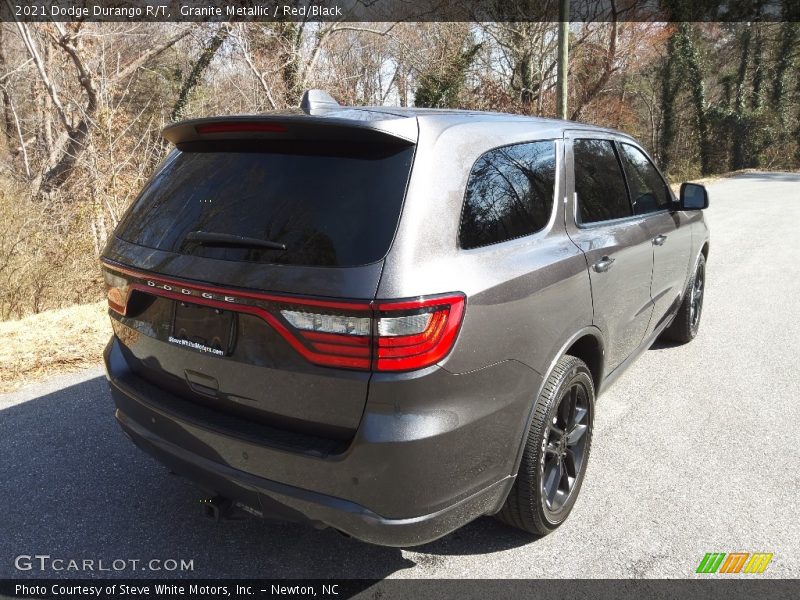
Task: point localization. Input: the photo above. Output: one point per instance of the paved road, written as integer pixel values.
(696, 450)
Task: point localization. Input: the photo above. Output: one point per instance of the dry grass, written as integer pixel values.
(54, 341)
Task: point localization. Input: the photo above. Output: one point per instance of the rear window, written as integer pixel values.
(333, 205)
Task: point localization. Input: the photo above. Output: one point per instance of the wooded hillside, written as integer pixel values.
(83, 105)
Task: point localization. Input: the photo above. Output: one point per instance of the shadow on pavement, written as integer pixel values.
(73, 487)
(483, 536)
(660, 344)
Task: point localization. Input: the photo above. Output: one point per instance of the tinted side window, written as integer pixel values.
(509, 194)
(648, 191)
(599, 182)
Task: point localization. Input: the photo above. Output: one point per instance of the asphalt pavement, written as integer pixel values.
(696, 449)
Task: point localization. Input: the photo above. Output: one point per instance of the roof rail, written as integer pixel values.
(316, 101)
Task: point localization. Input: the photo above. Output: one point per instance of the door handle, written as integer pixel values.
(604, 264)
(659, 240)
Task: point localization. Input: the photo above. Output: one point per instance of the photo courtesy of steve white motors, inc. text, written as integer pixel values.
(169, 589)
(104, 10)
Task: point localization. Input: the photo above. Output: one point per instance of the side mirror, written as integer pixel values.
(693, 196)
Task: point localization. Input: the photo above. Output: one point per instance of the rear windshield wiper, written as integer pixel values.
(209, 238)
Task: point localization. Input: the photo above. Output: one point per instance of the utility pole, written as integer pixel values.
(563, 57)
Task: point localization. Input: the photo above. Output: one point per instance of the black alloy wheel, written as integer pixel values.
(556, 451)
(565, 445)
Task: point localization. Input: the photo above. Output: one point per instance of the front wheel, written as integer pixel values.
(556, 451)
(687, 322)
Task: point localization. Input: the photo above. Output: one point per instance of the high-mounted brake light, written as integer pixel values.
(240, 127)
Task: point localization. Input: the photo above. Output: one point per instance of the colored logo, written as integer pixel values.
(735, 562)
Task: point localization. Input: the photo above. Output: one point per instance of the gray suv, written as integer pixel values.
(392, 321)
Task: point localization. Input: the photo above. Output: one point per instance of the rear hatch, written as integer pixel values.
(251, 254)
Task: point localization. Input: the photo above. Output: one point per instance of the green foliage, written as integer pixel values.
(693, 68)
(440, 88)
(684, 68)
(738, 120)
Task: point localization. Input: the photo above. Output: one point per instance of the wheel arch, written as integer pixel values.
(589, 348)
(586, 343)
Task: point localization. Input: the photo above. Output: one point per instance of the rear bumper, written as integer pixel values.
(418, 467)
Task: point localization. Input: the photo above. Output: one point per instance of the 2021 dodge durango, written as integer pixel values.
(392, 321)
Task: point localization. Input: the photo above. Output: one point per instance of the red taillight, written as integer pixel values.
(384, 336)
(415, 334)
(329, 334)
(240, 127)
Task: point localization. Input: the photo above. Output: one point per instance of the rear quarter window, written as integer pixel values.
(509, 194)
(332, 205)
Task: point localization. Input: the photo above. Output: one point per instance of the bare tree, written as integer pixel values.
(78, 123)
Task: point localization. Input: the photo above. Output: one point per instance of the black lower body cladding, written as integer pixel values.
(432, 452)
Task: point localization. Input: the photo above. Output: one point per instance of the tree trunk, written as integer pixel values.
(402, 86)
(758, 71)
(739, 119)
(790, 34)
(290, 37)
(742, 72)
(8, 119)
(523, 80)
(668, 94)
(691, 63)
(56, 176)
(69, 147)
(797, 130)
(605, 75)
(196, 73)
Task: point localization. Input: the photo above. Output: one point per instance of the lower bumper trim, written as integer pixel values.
(289, 503)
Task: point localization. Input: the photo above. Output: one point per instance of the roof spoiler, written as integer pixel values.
(315, 102)
(319, 120)
(292, 127)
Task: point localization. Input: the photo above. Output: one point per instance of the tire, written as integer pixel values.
(541, 498)
(687, 321)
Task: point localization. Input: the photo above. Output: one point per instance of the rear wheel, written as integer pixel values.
(556, 451)
(687, 322)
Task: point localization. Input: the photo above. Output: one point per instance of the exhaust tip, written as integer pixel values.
(216, 508)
